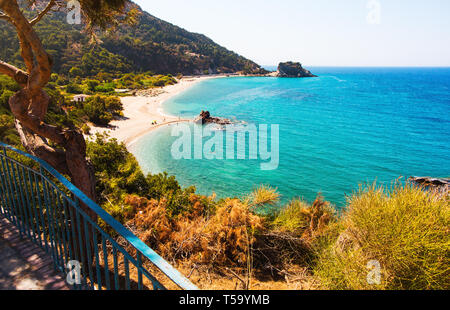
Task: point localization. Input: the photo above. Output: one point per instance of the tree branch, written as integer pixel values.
(26, 52)
(4, 17)
(39, 77)
(19, 104)
(21, 77)
(29, 106)
(37, 19)
(39, 147)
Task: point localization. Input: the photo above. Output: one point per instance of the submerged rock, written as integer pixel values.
(293, 69)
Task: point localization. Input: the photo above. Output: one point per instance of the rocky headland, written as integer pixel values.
(293, 70)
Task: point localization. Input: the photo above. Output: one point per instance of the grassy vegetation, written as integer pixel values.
(119, 175)
(101, 110)
(8, 134)
(139, 81)
(300, 217)
(406, 229)
(104, 83)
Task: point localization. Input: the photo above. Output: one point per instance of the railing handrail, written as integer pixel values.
(145, 250)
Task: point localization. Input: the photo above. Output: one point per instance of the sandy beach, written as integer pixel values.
(140, 111)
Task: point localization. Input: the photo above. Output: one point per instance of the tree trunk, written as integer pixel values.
(67, 153)
(63, 148)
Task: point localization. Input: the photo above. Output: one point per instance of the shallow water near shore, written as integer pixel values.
(344, 128)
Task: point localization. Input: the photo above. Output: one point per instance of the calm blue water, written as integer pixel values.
(347, 127)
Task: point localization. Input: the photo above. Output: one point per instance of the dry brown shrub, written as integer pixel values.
(153, 223)
(223, 238)
(231, 233)
(318, 216)
(229, 240)
(290, 241)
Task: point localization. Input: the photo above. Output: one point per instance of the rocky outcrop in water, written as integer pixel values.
(431, 183)
(293, 70)
(206, 118)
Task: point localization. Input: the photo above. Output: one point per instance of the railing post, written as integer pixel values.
(96, 257)
(20, 200)
(127, 272)
(14, 206)
(41, 210)
(34, 205)
(49, 219)
(83, 260)
(116, 269)
(4, 192)
(139, 268)
(105, 262)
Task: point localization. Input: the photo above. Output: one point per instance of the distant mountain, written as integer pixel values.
(150, 45)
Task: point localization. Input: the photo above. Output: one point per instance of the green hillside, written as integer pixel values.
(150, 45)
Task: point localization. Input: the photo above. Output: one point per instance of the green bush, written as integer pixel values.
(101, 110)
(86, 129)
(74, 89)
(8, 83)
(104, 77)
(62, 80)
(292, 218)
(54, 77)
(91, 84)
(105, 88)
(159, 81)
(405, 229)
(75, 71)
(8, 133)
(4, 98)
(118, 174)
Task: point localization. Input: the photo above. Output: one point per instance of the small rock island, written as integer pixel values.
(293, 70)
(206, 118)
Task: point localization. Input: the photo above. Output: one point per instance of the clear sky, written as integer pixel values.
(319, 32)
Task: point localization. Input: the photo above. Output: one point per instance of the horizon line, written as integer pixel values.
(353, 66)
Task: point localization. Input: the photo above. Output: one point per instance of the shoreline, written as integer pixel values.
(140, 111)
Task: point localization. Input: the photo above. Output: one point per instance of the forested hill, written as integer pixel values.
(150, 45)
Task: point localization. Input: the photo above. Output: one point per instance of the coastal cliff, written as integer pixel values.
(293, 69)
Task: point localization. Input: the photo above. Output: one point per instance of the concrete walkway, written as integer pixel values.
(23, 265)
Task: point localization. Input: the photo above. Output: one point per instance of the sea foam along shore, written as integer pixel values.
(140, 111)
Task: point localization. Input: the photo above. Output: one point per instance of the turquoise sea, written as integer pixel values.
(346, 127)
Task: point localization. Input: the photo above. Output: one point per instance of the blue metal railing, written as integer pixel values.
(46, 208)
